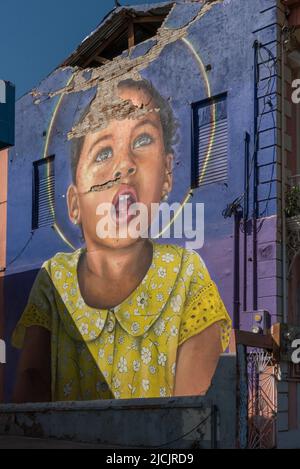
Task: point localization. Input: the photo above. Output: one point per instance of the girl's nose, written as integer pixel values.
(126, 166)
(129, 172)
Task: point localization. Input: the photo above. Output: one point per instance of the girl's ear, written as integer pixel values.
(73, 205)
(168, 182)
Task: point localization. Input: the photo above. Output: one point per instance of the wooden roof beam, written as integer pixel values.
(104, 45)
(131, 35)
(149, 19)
(101, 60)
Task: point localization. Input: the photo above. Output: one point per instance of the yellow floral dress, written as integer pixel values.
(128, 351)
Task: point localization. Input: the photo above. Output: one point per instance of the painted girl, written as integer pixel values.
(122, 317)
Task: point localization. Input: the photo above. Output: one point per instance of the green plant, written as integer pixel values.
(292, 202)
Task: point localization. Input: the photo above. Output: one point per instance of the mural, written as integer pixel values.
(123, 316)
(121, 309)
(142, 211)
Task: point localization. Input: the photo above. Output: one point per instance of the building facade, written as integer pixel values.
(228, 70)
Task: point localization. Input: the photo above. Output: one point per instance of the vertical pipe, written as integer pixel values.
(255, 208)
(236, 272)
(246, 216)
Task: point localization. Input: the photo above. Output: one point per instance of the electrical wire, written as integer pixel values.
(118, 445)
(22, 250)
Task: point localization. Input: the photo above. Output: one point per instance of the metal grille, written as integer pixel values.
(211, 142)
(43, 209)
(257, 398)
(262, 404)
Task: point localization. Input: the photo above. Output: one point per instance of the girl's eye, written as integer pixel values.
(104, 154)
(142, 141)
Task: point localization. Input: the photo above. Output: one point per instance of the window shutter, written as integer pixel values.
(43, 210)
(210, 142)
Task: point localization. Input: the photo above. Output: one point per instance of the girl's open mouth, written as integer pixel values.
(122, 201)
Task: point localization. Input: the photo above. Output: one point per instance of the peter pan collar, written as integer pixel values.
(135, 315)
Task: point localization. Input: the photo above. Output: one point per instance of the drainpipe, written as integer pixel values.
(246, 216)
(236, 283)
(255, 211)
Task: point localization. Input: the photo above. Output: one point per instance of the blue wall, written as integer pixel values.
(224, 40)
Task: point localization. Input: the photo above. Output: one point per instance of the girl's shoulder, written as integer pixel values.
(178, 254)
(62, 261)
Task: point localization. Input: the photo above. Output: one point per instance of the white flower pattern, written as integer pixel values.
(176, 303)
(146, 384)
(136, 365)
(162, 273)
(162, 359)
(142, 300)
(137, 357)
(160, 327)
(135, 327)
(168, 258)
(146, 355)
(84, 329)
(116, 383)
(58, 275)
(190, 270)
(100, 323)
(122, 365)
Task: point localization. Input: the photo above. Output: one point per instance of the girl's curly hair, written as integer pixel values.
(168, 122)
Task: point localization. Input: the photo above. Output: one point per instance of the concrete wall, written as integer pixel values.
(162, 423)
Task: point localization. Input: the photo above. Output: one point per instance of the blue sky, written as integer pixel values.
(36, 35)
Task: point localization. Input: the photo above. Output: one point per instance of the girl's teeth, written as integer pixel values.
(124, 198)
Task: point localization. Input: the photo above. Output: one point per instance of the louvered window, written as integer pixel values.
(43, 207)
(210, 141)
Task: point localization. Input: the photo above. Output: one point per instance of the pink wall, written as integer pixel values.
(294, 6)
(3, 206)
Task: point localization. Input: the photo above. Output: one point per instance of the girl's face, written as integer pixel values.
(132, 149)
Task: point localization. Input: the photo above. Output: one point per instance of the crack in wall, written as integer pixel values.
(106, 104)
